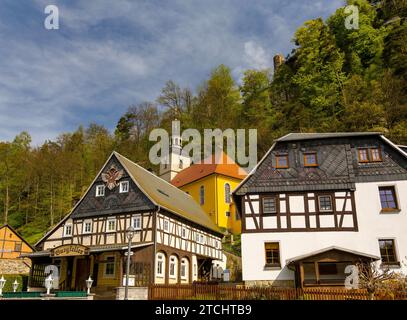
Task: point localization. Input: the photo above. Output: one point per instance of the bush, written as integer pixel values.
(22, 280)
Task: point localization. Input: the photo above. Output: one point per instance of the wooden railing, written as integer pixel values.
(227, 292)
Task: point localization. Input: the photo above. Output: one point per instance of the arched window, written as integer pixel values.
(227, 192)
(173, 270)
(181, 164)
(184, 269)
(160, 272)
(202, 195)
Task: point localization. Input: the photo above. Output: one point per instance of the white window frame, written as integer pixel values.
(105, 275)
(184, 264)
(85, 223)
(107, 224)
(160, 259)
(100, 187)
(173, 261)
(166, 223)
(184, 233)
(123, 183)
(134, 219)
(65, 228)
(197, 237)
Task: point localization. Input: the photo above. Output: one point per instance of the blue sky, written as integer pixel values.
(108, 55)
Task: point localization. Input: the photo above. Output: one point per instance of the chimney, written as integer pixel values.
(278, 61)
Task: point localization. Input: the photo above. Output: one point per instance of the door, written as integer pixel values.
(82, 273)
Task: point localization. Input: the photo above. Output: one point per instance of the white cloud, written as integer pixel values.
(256, 56)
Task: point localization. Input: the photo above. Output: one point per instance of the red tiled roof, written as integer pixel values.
(199, 170)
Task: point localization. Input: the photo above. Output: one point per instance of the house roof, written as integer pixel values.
(6, 225)
(165, 195)
(336, 166)
(223, 165)
(294, 136)
(317, 252)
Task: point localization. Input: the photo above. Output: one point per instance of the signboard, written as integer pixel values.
(68, 250)
(132, 282)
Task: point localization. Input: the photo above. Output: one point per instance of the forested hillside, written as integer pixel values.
(334, 80)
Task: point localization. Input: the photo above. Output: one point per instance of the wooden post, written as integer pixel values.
(302, 275)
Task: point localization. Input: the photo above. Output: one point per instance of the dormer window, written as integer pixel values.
(124, 186)
(100, 190)
(310, 159)
(282, 161)
(372, 154)
(375, 155)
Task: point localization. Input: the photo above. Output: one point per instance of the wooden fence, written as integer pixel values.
(227, 292)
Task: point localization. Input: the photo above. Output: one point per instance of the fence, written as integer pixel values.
(224, 292)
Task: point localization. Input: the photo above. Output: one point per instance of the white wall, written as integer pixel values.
(372, 224)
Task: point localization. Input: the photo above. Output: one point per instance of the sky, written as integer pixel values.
(108, 55)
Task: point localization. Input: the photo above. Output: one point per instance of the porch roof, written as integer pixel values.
(92, 249)
(331, 248)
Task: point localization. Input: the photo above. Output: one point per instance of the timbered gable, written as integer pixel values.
(113, 201)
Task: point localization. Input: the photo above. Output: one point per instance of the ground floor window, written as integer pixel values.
(160, 264)
(388, 251)
(173, 267)
(184, 268)
(272, 251)
(110, 266)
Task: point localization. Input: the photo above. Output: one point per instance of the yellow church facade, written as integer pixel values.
(211, 186)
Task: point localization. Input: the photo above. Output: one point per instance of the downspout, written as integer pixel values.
(155, 241)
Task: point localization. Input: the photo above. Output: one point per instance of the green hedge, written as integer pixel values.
(22, 280)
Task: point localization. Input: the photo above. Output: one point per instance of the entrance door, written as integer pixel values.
(82, 273)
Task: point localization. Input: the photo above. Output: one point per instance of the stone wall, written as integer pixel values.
(14, 266)
(135, 293)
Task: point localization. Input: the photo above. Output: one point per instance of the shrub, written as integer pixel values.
(22, 280)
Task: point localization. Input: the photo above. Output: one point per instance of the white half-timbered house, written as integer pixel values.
(316, 203)
(174, 242)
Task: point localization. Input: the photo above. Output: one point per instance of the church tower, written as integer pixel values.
(175, 161)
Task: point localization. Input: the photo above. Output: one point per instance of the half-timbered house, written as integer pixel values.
(175, 241)
(316, 203)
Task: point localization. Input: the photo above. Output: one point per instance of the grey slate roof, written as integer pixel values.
(338, 167)
(311, 136)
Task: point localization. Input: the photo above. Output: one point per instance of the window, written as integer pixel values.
(282, 161)
(372, 154)
(202, 240)
(325, 203)
(216, 244)
(181, 164)
(227, 213)
(269, 205)
(388, 251)
(109, 266)
(388, 198)
(310, 159)
(111, 225)
(184, 233)
(166, 225)
(17, 246)
(136, 222)
(184, 268)
(375, 155)
(202, 195)
(197, 237)
(173, 267)
(100, 190)
(87, 227)
(124, 186)
(272, 254)
(363, 155)
(227, 193)
(68, 230)
(160, 264)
